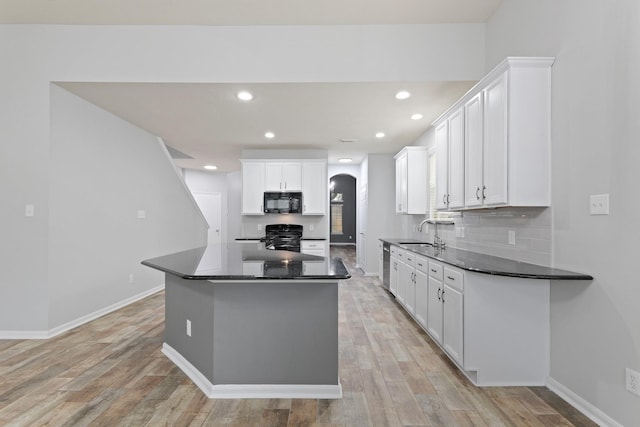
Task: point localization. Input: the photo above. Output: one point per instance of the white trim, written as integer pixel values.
(251, 391)
(40, 335)
(587, 409)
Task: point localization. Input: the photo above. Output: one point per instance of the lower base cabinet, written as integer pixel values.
(494, 328)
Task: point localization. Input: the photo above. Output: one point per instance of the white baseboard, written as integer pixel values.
(251, 391)
(39, 335)
(587, 409)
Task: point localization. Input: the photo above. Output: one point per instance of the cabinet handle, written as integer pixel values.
(444, 199)
(448, 198)
(281, 186)
(420, 264)
(443, 296)
(439, 292)
(484, 196)
(477, 195)
(450, 278)
(285, 185)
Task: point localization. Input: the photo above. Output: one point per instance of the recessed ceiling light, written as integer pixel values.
(269, 135)
(211, 167)
(244, 96)
(380, 135)
(416, 116)
(403, 94)
(345, 160)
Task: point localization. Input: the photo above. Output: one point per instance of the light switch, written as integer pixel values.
(599, 204)
(28, 210)
(142, 214)
(512, 237)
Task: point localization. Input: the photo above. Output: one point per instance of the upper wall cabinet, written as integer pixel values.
(253, 174)
(315, 195)
(507, 142)
(450, 162)
(411, 180)
(283, 176)
(308, 176)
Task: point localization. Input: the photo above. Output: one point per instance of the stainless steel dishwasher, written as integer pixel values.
(386, 261)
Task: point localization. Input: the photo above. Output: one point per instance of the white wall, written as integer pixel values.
(102, 172)
(595, 327)
(209, 182)
(33, 56)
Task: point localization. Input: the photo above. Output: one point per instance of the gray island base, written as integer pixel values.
(261, 324)
(266, 339)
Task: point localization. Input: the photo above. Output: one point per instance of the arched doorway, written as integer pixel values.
(342, 205)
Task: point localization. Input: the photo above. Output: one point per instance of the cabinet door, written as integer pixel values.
(495, 142)
(273, 177)
(473, 128)
(434, 310)
(452, 335)
(422, 298)
(314, 188)
(442, 168)
(410, 290)
(252, 188)
(314, 247)
(291, 177)
(402, 278)
(401, 184)
(393, 276)
(455, 197)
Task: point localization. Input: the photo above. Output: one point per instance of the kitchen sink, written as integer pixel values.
(419, 244)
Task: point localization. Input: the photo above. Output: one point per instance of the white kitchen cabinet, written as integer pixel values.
(253, 268)
(507, 132)
(445, 309)
(450, 162)
(253, 175)
(283, 176)
(315, 195)
(421, 290)
(314, 268)
(474, 151)
(314, 247)
(409, 288)
(411, 180)
(452, 314)
(393, 271)
(402, 273)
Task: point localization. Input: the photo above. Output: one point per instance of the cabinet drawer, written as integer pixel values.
(394, 250)
(422, 264)
(409, 258)
(435, 270)
(454, 278)
(305, 244)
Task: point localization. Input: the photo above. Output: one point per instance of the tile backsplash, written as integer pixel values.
(487, 231)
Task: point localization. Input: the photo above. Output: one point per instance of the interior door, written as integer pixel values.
(210, 205)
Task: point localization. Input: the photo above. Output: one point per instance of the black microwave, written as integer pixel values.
(282, 202)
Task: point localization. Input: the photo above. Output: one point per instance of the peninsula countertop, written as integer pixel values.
(247, 261)
(487, 264)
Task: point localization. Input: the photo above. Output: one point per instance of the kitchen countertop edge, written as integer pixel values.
(551, 273)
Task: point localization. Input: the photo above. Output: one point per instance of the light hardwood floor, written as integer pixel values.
(111, 372)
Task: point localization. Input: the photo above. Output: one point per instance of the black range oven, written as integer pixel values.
(283, 237)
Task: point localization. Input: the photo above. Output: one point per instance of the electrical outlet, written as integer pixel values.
(28, 210)
(599, 204)
(188, 327)
(512, 237)
(142, 214)
(131, 278)
(259, 227)
(633, 381)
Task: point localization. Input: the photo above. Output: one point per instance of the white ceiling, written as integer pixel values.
(207, 122)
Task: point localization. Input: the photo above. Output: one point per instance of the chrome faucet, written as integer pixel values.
(437, 240)
(421, 224)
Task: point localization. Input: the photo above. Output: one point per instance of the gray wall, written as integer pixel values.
(35, 55)
(103, 171)
(346, 185)
(595, 131)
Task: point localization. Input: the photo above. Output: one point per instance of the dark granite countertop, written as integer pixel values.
(487, 264)
(243, 261)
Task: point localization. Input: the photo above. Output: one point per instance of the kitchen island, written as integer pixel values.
(260, 324)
